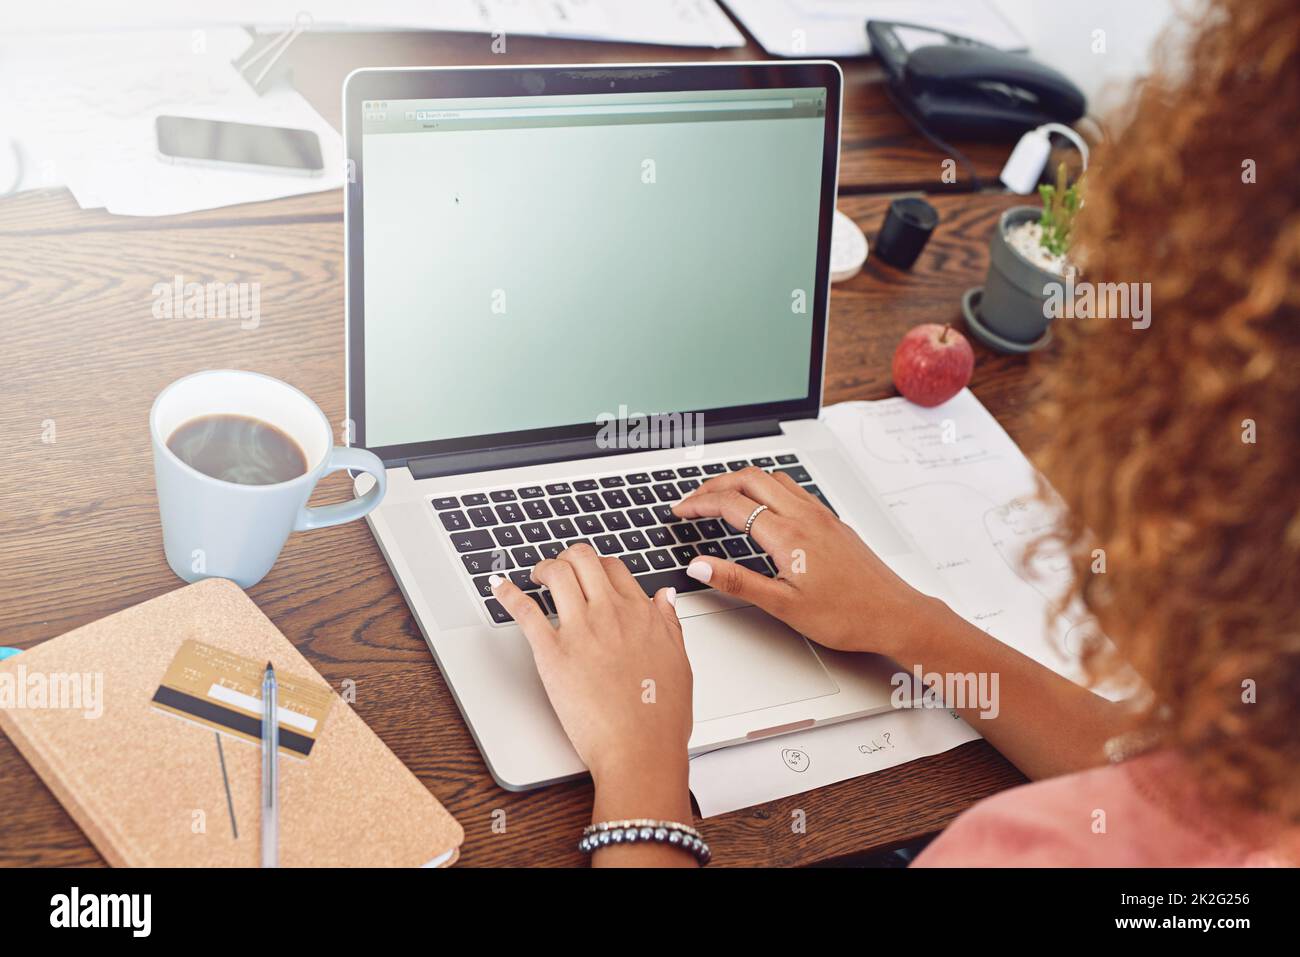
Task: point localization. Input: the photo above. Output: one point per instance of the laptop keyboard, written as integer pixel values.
(628, 515)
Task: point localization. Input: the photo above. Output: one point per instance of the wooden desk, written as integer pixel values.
(79, 535)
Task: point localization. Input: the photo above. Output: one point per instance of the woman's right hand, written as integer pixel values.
(831, 588)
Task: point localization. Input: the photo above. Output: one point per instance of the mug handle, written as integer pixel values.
(346, 457)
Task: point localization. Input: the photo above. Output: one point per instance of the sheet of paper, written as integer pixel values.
(82, 107)
(748, 774)
(954, 479)
(839, 27)
(698, 23)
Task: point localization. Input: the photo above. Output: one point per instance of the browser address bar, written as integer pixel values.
(702, 106)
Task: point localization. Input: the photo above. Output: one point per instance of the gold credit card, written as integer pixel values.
(223, 691)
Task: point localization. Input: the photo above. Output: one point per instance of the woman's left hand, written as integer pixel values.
(616, 671)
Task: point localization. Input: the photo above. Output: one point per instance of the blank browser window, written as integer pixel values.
(533, 262)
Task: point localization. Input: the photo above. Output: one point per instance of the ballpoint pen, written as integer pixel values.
(270, 772)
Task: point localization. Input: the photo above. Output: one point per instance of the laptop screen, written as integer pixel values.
(542, 261)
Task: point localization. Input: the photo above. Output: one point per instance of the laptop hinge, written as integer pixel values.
(489, 460)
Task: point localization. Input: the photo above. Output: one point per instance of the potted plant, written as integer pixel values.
(1028, 256)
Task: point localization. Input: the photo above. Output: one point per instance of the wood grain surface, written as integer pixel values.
(79, 534)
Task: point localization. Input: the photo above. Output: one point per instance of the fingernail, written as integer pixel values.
(495, 580)
(700, 571)
(671, 596)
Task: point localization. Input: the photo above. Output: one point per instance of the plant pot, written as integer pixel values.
(1009, 314)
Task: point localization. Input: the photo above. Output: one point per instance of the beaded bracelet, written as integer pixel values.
(644, 830)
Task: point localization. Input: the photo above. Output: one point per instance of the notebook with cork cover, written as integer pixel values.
(146, 727)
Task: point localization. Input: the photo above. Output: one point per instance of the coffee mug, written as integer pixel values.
(218, 529)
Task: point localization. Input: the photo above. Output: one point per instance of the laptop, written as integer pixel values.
(573, 294)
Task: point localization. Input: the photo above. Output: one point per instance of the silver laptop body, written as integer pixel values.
(573, 293)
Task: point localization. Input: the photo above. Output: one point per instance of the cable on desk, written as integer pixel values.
(978, 184)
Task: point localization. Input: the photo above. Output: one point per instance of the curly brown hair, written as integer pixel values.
(1177, 447)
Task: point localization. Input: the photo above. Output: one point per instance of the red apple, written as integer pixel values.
(932, 364)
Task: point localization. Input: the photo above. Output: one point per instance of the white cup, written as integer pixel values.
(218, 529)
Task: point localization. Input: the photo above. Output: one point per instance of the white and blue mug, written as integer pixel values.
(218, 529)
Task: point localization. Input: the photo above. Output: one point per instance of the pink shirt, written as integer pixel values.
(1141, 813)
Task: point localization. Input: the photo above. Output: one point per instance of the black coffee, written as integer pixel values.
(239, 449)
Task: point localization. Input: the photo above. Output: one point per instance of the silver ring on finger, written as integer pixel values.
(749, 522)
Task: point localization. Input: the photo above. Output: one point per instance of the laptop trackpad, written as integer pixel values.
(746, 660)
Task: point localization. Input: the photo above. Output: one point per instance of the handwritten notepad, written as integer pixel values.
(953, 479)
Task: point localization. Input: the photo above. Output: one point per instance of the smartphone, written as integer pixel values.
(184, 139)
